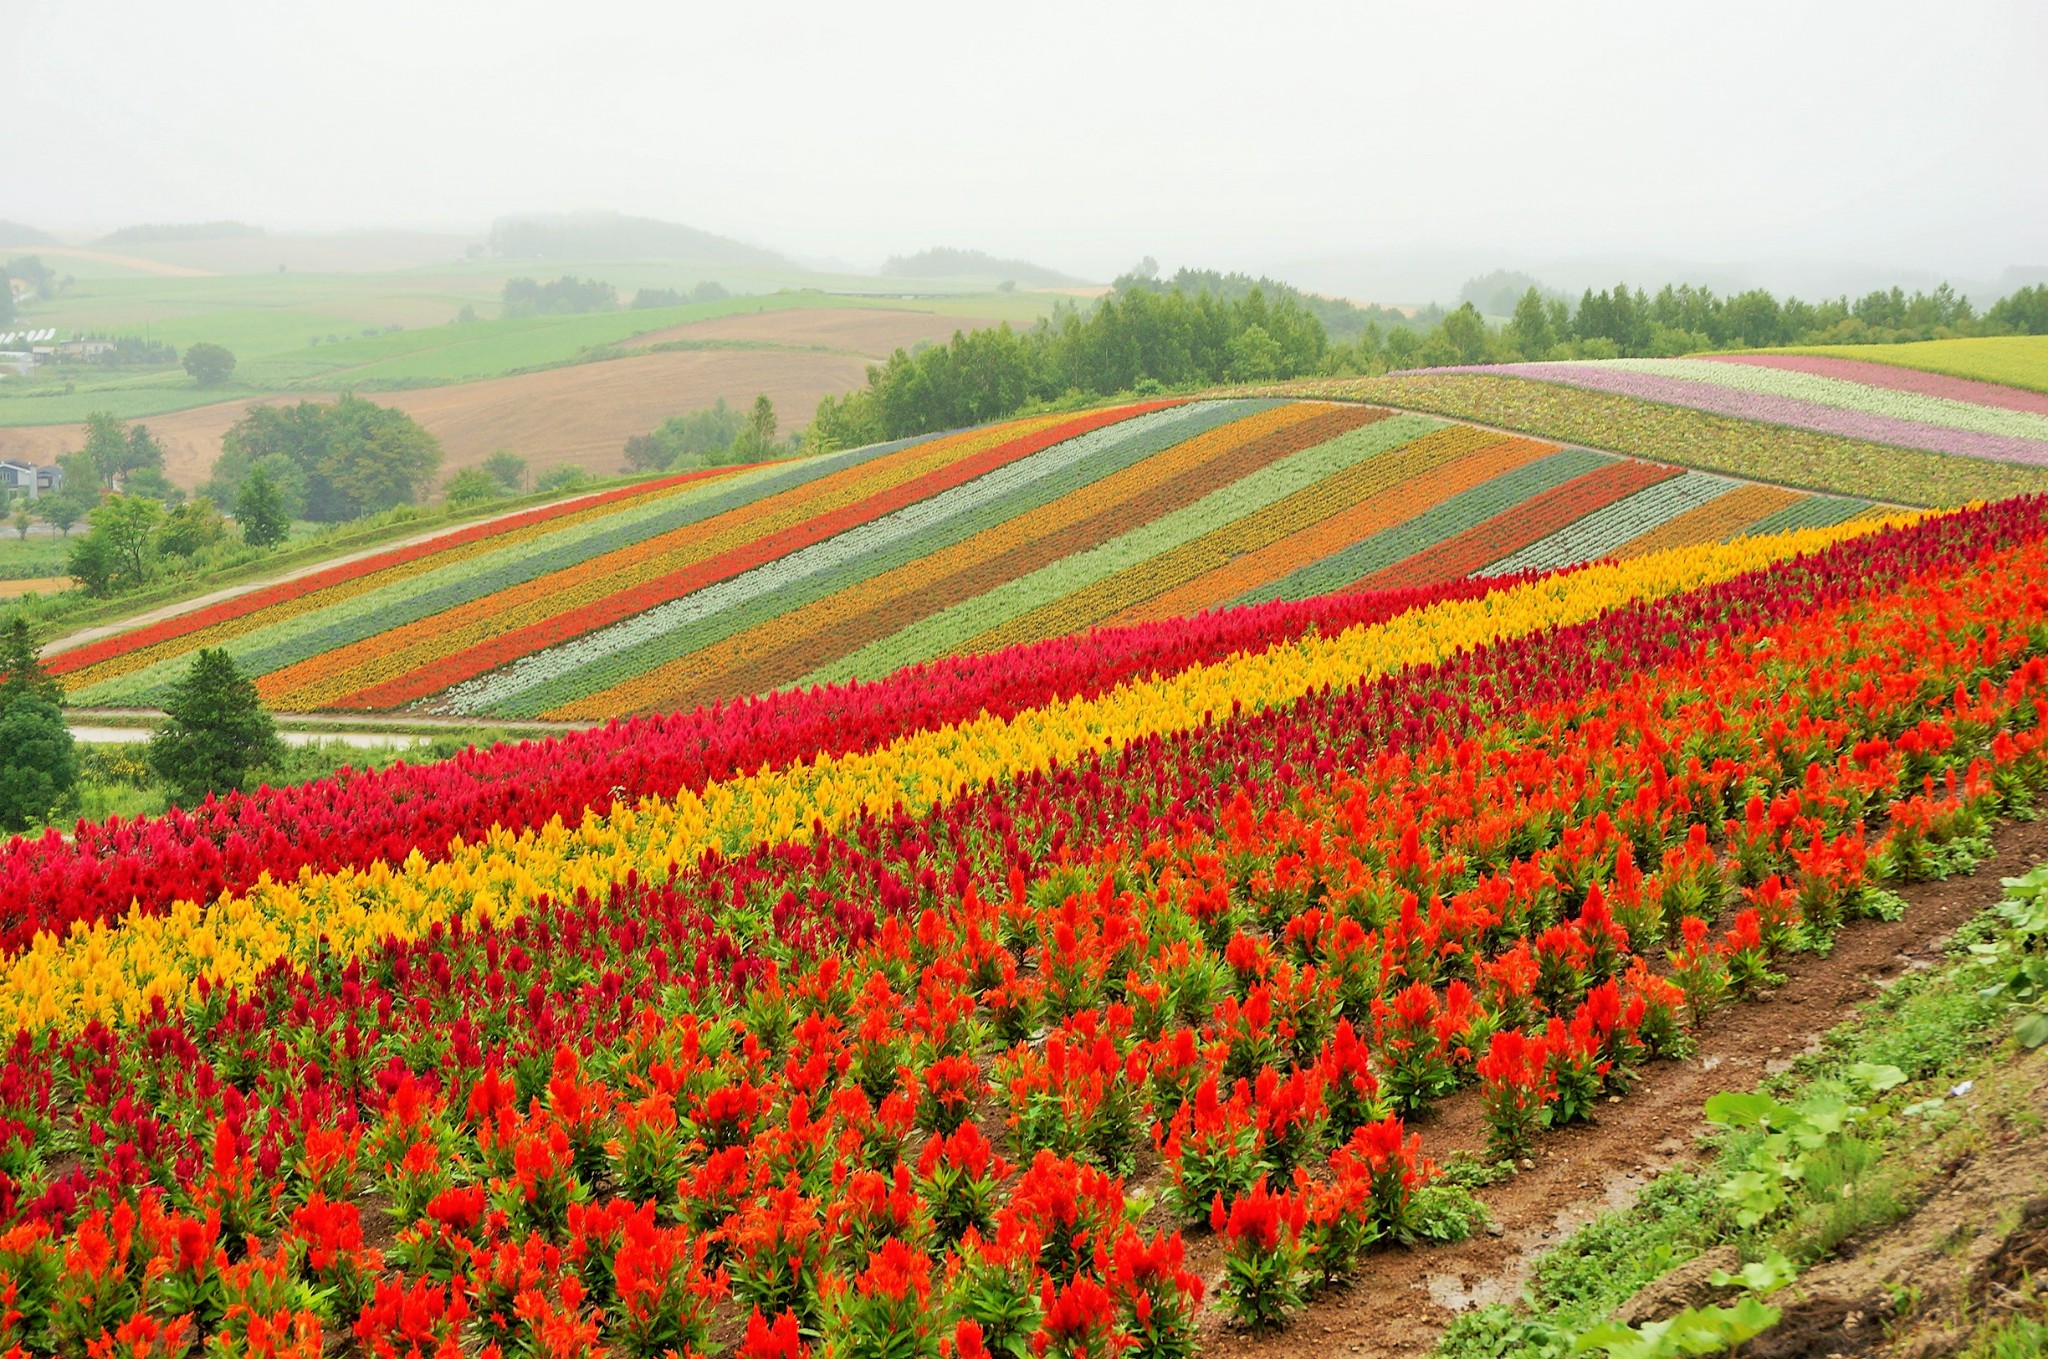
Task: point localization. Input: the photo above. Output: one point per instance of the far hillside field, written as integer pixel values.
(556, 390)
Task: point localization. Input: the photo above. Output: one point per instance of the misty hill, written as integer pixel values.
(165, 233)
(14, 233)
(615, 236)
(1496, 294)
(945, 262)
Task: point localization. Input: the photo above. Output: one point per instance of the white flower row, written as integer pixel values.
(480, 694)
(1601, 532)
(1844, 395)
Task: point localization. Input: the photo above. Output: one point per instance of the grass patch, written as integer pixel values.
(2014, 360)
(114, 777)
(1935, 1027)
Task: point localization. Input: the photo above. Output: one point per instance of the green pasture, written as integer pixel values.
(305, 332)
(2015, 360)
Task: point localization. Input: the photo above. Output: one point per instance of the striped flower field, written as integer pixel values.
(1879, 403)
(852, 565)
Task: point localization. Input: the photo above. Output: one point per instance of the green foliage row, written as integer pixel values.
(1744, 448)
(565, 296)
(1624, 322)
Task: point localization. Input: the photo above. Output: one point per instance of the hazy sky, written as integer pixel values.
(1080, 134)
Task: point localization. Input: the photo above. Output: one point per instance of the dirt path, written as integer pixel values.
(185, 606)
(358, 740)
(382, 724)
(1402, 1299)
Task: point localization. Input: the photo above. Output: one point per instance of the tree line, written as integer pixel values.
(1137, 339)
(1202, 328)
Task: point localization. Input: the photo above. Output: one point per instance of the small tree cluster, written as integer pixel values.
(38, 764)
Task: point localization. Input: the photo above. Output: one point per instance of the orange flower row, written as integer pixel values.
(783, 649)
(1451, 469)
(321, 680)
(1714, 522)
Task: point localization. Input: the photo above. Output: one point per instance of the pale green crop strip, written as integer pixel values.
(1816, 511)
(1465, 510)
(945, 631)
(1844, 395)
(1602, 531)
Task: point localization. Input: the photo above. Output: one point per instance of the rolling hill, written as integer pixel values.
(2011, 360)
(854, 564)
(615, 236)
(1875, 403)
(1876, 431)
(944, 262)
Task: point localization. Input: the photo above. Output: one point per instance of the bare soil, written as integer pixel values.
(580, 415)
(1402, 1299)
(871, 332)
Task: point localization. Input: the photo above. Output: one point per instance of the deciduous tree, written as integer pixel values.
(260, 511)
(209, 364)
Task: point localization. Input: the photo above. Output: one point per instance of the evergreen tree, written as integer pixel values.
(38, 764)
(21, 670)
(218, 732)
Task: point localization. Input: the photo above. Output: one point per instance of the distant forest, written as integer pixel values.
(165, 233)
(17, 233)
(944, 262)
(1140, 339)
(1202, 328)
(1343, 321)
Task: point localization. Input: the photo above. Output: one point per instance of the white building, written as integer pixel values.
(28, 477)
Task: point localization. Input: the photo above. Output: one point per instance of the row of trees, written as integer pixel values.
(1138, 339)
(708, 290)
(327, 463)
(1624, 322)
(1202, 327)
(564, 296)
(131, 536)
(714, 437)
(215, 736)
(505, 473)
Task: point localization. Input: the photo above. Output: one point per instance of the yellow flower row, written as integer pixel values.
(111, 972)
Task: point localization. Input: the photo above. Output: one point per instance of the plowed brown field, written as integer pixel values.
(873, 332)
(581, 415)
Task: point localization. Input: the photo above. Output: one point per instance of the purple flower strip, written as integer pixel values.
(1773, 410)
(1897, 378)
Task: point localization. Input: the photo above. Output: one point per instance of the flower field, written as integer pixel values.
(1056, 1000)
(854, 565)
(1692, 435)
(2007, 362)
(1889, 412)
